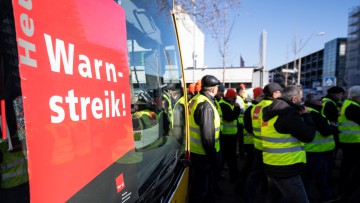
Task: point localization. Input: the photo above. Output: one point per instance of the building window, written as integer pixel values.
(342, 49)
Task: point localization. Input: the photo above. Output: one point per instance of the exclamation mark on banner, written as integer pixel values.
(123, 103)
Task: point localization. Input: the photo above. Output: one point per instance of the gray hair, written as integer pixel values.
(354, 92)
(290, 92)
(207, 89)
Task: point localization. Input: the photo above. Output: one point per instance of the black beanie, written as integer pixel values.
(271, 88)
(335, 90)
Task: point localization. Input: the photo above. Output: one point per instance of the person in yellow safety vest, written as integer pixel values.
(244, 94)
(257, 176)
(149, 112)
(166, 98)
(331, 105)
(204, 121)
(160, 112)
(349, 138)
(218, 98)
(319, 151)
(285, 127)
(178, 123)
(144, 116)
(241, 102)
(175, 91)
(239, 99)
(228, 135)
(248, 141)
(13, 175)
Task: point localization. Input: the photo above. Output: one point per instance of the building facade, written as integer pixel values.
(311, 71)
(334, 62)
(234, 76)
(352, 70)
(192, 40)
(319, 70)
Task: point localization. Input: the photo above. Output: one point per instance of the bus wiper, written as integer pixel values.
(164, 175)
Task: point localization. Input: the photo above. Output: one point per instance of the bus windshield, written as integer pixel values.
(156, 89)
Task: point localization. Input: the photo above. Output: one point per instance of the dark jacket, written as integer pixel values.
(229, 114)
(331, 110)
(204, 117)
(321, 123)
(289, 121)
(352, 113)
(248, 119)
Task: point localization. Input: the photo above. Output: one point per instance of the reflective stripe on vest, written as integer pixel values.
(248, 137)
(195, 137)
(256, 117)
(13, 169)
(320, 143)
(280, 149)
(349, 130)
(241, 116)
(228, 127)
(219, 111)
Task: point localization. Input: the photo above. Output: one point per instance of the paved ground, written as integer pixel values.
(231, 194)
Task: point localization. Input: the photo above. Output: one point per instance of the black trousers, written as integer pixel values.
(228, 152)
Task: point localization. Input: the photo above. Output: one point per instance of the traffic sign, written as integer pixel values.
(329, 81)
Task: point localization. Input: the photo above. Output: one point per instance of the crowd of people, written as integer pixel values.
(288, 143)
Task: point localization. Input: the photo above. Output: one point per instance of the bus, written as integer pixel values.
(92, 102)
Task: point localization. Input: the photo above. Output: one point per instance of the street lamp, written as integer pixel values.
(301, 47)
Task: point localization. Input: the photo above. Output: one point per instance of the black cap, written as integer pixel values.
(269, 89)
(221, 88)
(335, 90)
(209, 81)
(173, 86)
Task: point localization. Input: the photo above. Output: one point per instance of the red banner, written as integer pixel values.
(75, 86)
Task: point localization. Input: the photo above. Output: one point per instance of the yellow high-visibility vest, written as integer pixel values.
(228, 127)
(256, 117)
(320, 143)
(280, 149)
(13, 168)
(195, 137)
(349, 130)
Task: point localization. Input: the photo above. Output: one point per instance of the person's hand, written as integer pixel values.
(304, 109)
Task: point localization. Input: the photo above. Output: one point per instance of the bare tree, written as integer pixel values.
(223, 39)
(209, 13)
(212, 17)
